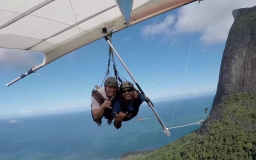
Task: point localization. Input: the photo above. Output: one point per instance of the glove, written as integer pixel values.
(147, 99)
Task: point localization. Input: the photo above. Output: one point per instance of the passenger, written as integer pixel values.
(103, 100)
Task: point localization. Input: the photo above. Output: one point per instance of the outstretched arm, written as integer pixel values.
(117, 124)
(118, 119)
(115, 112)
(138, 99)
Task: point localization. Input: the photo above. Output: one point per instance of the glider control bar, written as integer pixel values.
(32, 70)
(199, 122)
(149, 102)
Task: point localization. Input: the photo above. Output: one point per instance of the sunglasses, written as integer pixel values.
(127, 90)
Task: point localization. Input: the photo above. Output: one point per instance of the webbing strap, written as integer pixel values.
(110, 54)
(116, 73)
(111, 58)
(98, 96)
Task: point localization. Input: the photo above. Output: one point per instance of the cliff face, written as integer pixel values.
(234, 134)
(238, 66)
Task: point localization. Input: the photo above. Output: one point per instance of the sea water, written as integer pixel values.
(74, 136)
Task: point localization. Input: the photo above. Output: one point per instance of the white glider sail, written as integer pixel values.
(58, 27)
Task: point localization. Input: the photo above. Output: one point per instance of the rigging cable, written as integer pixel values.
(74, 15)
(181, 82)
(171, 50)
(65, 78)
(64, 86)
(186, 65)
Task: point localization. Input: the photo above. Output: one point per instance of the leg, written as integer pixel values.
(107, 114)
(98, 121)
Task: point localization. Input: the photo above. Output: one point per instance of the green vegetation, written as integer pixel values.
(231, 138)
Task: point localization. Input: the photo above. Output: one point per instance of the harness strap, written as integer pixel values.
(110, 54)
(111, 57)
(98, 96)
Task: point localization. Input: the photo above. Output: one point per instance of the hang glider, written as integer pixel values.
(58, 27)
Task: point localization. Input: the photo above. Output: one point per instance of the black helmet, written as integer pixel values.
(126, 84)
(111, 82)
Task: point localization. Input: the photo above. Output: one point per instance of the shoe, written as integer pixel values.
(109, 122)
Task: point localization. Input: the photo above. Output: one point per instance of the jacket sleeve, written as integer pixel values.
(138, 101)
(116, 108)
(142, 98)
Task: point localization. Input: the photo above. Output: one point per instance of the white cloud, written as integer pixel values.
(19, 59)
(31, 111)
(214, 20)
(127, 38)
(22, 60)
(159, 28)
(51, 110)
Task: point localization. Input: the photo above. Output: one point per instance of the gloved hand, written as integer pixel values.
(148, 100)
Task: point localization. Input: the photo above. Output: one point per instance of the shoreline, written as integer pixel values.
(136, 153)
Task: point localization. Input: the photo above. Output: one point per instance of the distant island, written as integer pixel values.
(142, 119)
(13, 121)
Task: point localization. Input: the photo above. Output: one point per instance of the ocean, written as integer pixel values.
(74, 136)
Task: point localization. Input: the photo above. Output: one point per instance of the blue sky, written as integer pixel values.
(143, 47)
